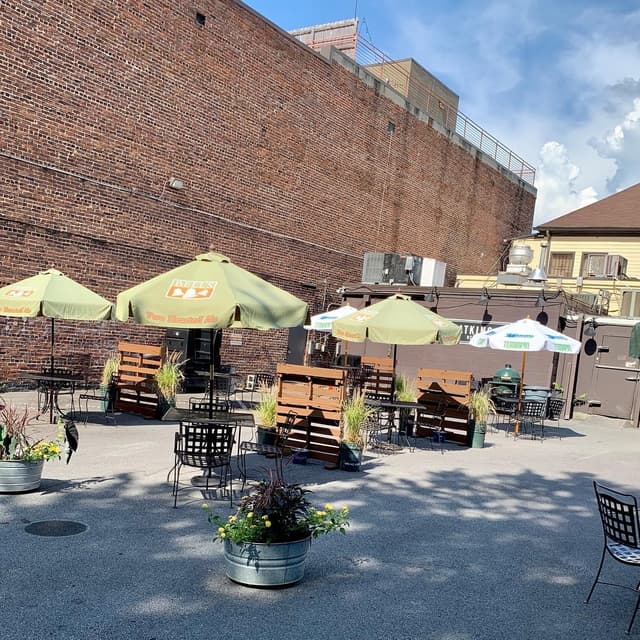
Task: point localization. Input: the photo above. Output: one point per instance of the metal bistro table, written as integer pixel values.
(242, 419)
(54, 384)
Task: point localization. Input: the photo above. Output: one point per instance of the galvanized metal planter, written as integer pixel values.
(257, 564)
(19, 475)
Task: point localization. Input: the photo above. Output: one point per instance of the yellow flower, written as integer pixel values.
(204, 505)
(223, 535)
(267, 523)
(321, 513)
(265, 517)
(232, 518)
(328, 506)
(250, 515)
(220, 529)
(345, 509)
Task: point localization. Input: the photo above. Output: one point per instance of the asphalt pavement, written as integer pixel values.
(492, 543)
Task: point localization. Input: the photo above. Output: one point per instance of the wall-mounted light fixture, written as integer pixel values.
(484, 296)
(432, 296)
(540, 300)
(590, 328)
(176, 183)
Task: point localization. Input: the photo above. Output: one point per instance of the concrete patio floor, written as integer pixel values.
(492, 543)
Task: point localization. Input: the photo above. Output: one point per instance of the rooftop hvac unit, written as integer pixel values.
(432, 273)
(630, 307)
(384, 268)
(394, 268)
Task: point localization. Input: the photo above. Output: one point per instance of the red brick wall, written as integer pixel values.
(287, 162)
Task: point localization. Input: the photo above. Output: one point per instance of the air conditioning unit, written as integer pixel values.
(630, 307)
(432, 273)
(387, 268)
(616, 266)
(394, 268)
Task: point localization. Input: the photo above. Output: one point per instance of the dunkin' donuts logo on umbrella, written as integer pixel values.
(191, 289)
(19, 292)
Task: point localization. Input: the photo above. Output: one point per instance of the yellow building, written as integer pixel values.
(593, 252)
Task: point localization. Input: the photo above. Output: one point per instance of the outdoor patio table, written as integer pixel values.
(53, 384)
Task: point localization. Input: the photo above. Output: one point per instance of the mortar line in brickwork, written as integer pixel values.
(136, 192)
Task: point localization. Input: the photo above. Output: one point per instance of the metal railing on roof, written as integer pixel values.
(368, 55)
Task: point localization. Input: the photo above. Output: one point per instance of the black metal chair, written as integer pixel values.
(106, 396)
(530, 413)
(275, 451)
(555, 407)
(377, 429)
(207, 446)
(432, 419)
(621, 530)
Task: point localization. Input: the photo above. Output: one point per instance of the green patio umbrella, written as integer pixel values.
(396, 320)
(210, 292)
(53, 295)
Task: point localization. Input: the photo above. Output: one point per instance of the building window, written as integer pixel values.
(561, 265)
(593, 265)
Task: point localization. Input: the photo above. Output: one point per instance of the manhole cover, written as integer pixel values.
(55, 528)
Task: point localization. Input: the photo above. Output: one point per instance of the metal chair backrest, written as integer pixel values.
(204, 442)
(218, 404)
(555, 408)
(533, 409)
(619, 515)
(285, 428)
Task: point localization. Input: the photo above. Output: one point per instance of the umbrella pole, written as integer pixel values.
(51, 367)
(516, 430)
(393, 372)
(346, 351)
(211, 371)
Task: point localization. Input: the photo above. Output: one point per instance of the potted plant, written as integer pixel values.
(21, 458)
(168, 379)
(481, 406)
(267, 414)
(354, 416)
(107, 386)
(267, 540)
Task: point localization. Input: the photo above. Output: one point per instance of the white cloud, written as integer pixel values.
(622, 145)
(556, 179)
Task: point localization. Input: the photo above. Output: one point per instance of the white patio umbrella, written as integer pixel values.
(323, 322)
(525, 335)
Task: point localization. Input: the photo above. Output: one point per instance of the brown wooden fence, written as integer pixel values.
(316, 395)
(136, 387)
(379, 378)
(446, 391)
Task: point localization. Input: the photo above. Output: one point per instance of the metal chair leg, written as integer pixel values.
(595, 582)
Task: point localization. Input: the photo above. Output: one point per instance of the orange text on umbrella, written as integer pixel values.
(191, 289)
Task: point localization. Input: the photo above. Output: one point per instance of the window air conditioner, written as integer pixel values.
(616, 266)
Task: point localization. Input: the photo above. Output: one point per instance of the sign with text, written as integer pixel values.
(471, 327)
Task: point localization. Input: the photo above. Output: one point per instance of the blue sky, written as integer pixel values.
(557, 81)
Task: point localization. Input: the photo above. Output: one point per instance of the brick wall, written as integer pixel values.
(288, 165)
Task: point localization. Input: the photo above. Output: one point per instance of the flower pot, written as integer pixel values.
(350, 456)
(258, 564)
(19, 475)
(267, 435)
(477, 432)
